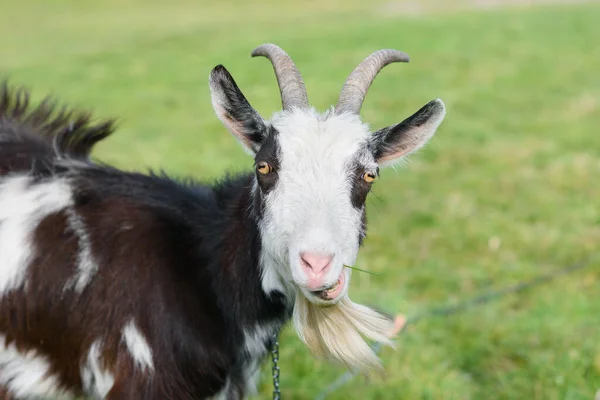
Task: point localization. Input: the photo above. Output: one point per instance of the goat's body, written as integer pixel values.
(127, 286)
(123, 285)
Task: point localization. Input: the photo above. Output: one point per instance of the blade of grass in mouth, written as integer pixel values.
(362, 270)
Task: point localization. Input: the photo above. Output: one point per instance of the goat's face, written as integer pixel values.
(312, 200)
(313, 174)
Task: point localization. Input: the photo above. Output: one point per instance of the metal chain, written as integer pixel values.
(275, 369)
(444, 311)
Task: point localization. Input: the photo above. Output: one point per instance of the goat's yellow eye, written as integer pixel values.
(264, 168)
(369, 177)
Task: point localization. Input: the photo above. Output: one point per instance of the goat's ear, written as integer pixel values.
(235, 112)
(392, 143)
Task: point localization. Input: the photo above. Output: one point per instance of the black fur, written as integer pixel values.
(360, 188)
(395, 139)
(180, 258)
(269, 152)
(30, 137)
(238, 109)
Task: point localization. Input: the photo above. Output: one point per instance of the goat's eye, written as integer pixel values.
(369, 177)
(264, 167)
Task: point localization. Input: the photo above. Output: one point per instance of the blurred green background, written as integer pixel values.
(509, 187)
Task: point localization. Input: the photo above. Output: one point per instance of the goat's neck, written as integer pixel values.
(241, 276)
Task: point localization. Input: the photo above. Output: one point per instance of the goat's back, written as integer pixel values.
(103, 277)
(34, 138)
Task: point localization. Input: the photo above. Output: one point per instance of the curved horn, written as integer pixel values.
(291, 85)
(356, 86)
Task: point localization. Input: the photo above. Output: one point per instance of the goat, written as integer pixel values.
(121, 285)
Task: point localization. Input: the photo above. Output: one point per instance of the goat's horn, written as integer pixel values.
(356, 86)
(291, 85)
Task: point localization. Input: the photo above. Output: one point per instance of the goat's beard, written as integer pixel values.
(337, 332)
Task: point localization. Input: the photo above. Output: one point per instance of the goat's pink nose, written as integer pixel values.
(316, 264)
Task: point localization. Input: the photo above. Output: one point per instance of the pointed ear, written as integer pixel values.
(394, 142)
(235, 112)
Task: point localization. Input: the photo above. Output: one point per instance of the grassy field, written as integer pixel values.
(508, 189)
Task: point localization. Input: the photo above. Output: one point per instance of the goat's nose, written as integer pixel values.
(316, 264)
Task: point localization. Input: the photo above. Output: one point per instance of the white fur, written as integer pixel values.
(254, 340)
(275, 276)
(138, 346)
(310, 209)
(254, 343)
(252, 375)
(87, 266)
(27, 374)
(336, 333)
(97, 381)
(23, 205)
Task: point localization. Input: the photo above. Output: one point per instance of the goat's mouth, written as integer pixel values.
(333, 291)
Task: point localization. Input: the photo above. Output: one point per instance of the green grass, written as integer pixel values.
(516, 163)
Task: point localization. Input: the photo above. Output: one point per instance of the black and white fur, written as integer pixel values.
(121, 285)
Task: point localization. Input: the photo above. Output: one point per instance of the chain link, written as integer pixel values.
(275, 369)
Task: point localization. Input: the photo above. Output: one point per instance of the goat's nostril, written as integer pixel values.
(305, 263)
(317, 262)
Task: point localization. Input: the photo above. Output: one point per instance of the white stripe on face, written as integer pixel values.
(310, 208)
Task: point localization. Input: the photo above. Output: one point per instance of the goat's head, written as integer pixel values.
(314, 171)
